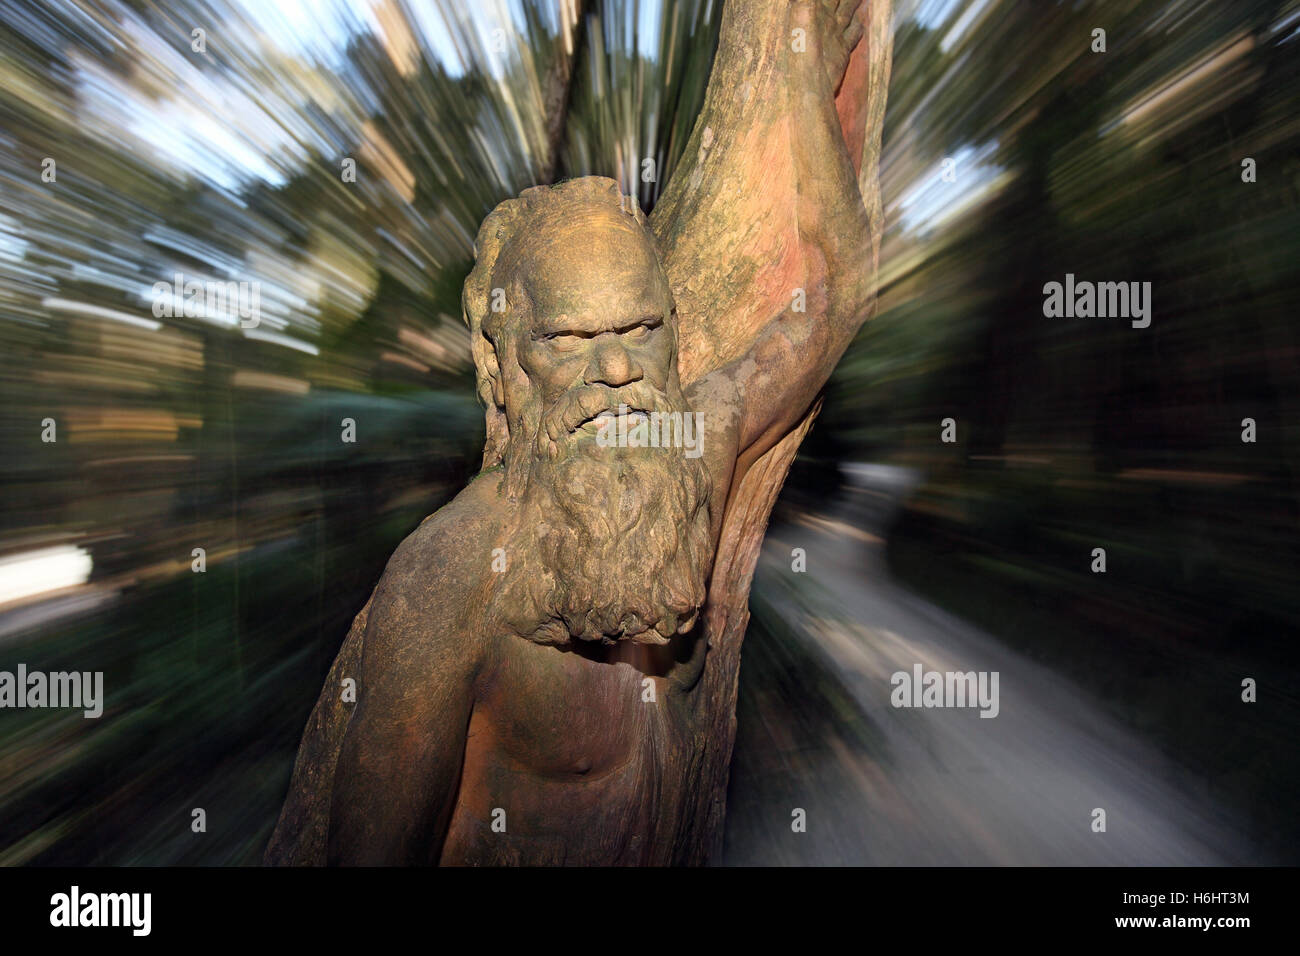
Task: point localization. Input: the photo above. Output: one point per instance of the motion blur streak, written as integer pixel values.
(337, 159)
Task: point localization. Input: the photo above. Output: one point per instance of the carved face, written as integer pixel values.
(614, 541)
(599, 329)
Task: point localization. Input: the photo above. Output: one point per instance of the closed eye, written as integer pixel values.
(643, 328)
(571, 338)
(565, 340)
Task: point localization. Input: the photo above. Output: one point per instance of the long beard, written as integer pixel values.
(611, 543)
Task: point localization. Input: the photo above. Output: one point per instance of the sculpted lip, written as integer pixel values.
(634, 417)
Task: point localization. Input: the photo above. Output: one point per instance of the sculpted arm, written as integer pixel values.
(793, 356)
(400, 763)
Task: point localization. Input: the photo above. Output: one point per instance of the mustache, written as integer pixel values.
(586, 402)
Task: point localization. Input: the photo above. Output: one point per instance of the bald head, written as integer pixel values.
(592, 268)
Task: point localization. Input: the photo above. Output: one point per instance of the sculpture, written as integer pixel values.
(547, 670)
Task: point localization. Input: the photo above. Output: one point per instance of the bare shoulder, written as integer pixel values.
(423, 606)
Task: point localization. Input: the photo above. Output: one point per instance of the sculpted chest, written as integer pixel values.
(567, 761)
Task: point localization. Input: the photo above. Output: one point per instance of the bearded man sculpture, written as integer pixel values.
(546, 672)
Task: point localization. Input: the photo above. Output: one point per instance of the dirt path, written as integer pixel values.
(886, 785)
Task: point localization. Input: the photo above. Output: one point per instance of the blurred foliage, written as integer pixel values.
(1076, 433)
(226, 165)
(175, 433)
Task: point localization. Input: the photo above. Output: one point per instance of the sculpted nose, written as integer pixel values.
(612, 364)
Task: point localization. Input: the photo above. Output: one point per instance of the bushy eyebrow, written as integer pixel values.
(589, 326)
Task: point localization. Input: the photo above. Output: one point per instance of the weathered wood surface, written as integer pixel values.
(733, 246)
(727, 227)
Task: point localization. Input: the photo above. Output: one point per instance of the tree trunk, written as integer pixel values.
(743, 106)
